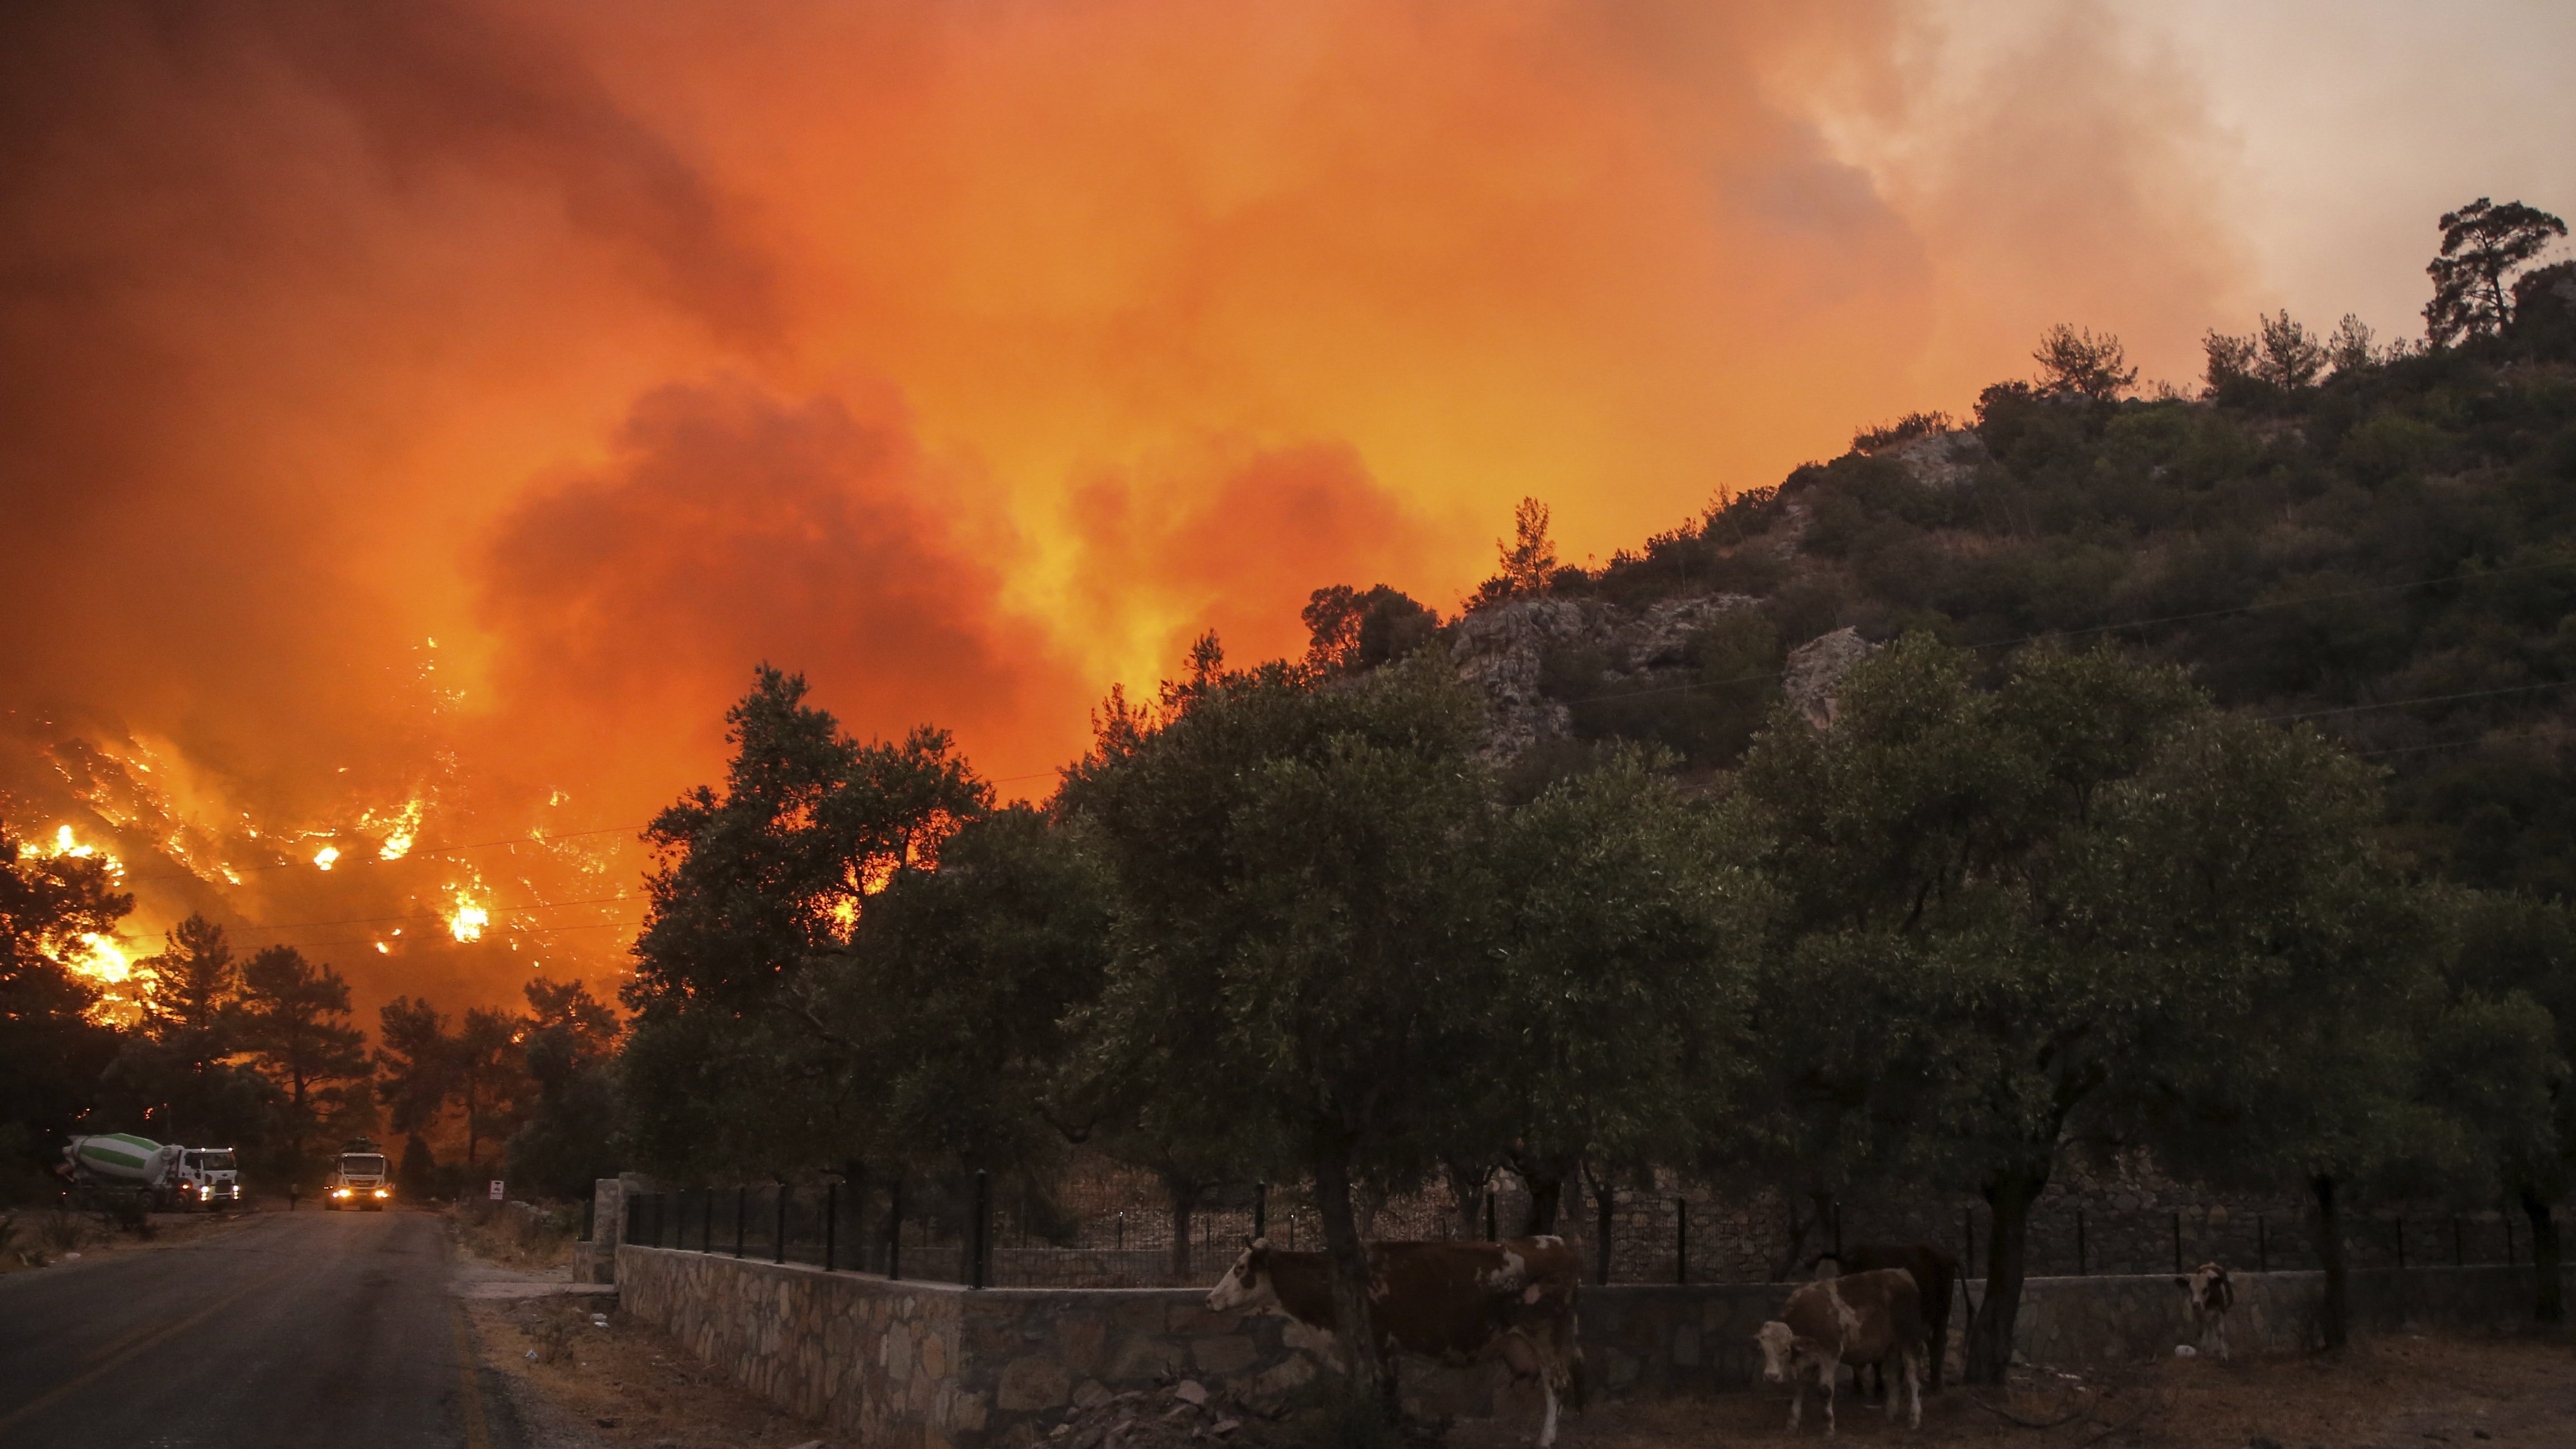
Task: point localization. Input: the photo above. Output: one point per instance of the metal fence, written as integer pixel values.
(966, 1229)
(979, 1231)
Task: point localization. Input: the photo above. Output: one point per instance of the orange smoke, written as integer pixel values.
(965, 357)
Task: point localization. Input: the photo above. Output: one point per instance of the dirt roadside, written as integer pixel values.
(583, 1375)
(2401, 1392)
(40, 1239)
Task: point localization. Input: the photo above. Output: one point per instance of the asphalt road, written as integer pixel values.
(309, 1328)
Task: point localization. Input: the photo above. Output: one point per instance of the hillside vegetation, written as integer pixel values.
(2381, 541)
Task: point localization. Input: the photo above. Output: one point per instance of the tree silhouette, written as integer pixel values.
(2075, 362)
(415, 1060)
(490, 1076)
(2483, 244)
(1530, 557)
(295, 1020)
(50, 1050)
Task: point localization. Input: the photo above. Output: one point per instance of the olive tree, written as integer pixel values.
(2020, 913)
(1628, 934)
(1303, 893)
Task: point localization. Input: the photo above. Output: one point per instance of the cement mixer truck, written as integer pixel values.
(166, 1177)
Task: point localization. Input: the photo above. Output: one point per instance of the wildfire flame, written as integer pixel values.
(102, 959)
(68, 846)
(401, 831)
(466, 923)
(327, 854)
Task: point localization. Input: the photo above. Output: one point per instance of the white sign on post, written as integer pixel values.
(496, 1189)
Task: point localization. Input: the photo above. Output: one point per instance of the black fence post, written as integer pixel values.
(2177, 1235)
(831, 1223)
(1968, 1241)
(1604, 1205)
(2459, 1244)
(981, 1266)
(1261, 1210)
(1681, 1240)
(2508, 1237)
(894, 1234)
(2262, 1246)
(1122, 1230)
(778, 1243)
(2081, 1267)
(2401, 1242)
(1493, 1233)
(741, 1214)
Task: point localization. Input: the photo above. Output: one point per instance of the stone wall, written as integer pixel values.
(2094, 1320)
(934, 1365)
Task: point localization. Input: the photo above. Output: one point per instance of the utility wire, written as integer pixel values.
(409, 854)
(542, 931)
(546, 839)
(429, 916)
(2402, 703)
(2255, 608)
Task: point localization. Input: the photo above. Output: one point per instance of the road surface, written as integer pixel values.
(295, 1329)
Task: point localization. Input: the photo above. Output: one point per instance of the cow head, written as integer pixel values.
(2208, 1287)
(1779, 1351)
(1246, 1285)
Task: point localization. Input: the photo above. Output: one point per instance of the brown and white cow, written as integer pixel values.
(1458, 1303)
(2210, 1294)
(1936, 1275)
(1856, 1318)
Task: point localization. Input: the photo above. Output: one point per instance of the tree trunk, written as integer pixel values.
(1467, 1188)
(2547, 1303)
(1990, 1341)
(1794, 1261)
(1546, 1178)
(1605, 1205)
(2333, 1314)
(1348, 1257)
(1185, 1202)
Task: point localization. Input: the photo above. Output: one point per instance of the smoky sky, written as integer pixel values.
(966, 358)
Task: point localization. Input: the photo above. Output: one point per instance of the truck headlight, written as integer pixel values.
(380, 1192)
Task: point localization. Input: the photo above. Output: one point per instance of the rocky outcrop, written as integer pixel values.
(1503, 651)
(1814, 678)
(1941, 460)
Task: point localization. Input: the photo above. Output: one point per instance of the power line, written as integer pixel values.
(540, 931)
(2402, 703)
(427, 916)
(545, 839)
(409, 854)
(2255, 608)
